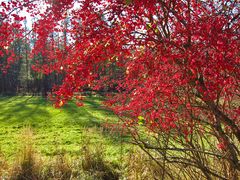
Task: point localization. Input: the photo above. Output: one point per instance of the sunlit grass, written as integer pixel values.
(56, 130)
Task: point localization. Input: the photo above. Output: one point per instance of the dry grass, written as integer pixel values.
(29, 164)
(139, 166)
(4, 166)
(94, 162)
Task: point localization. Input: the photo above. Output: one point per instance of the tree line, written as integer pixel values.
(18, 76)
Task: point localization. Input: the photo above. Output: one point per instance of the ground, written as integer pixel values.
(58, 130)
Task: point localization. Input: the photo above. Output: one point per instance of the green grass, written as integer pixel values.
(56, 130)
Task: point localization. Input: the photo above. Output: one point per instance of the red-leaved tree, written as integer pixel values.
(174, 64)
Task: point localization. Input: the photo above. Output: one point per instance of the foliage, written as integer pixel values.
(177, 61)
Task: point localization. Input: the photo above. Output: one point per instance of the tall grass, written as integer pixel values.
(30, 165)
(95, 163)
(92, 163)
(27, 164)
(139, 166)
(4, 166)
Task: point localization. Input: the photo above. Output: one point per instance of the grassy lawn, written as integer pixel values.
(57, 130)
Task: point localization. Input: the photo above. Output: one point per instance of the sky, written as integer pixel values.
(41, 6)
(24, 13)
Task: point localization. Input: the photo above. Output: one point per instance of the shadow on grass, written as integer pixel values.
(79, 116)
(38, 113)
(22, 111)
(4, 100)
(93, 115)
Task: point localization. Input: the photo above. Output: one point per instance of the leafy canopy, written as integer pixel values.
(173, 63)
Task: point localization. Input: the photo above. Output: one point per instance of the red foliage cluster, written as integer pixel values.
(10, 29)
(178, 61)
